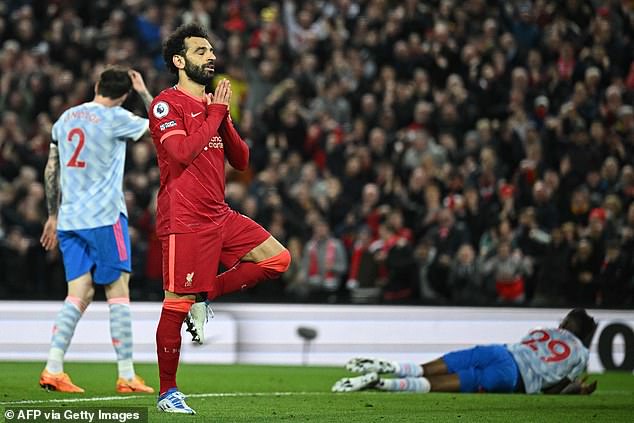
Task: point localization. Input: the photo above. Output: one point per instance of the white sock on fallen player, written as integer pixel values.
(407, 368)
(407, 384)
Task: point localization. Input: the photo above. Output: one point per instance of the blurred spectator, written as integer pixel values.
(323, 265)
(507, 271)
(303, 27)
(553, 274)
(583, 286)
(398, 256)
(447, 236)
(615, 277)
(465, 281)
(363, 272)
(546, 212)
(292, 277)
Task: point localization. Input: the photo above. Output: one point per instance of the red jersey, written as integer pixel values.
(192, 139)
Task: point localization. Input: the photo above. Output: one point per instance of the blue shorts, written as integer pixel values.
(102, 251)
(488, 368)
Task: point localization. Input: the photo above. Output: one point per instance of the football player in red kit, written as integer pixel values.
(193, 134)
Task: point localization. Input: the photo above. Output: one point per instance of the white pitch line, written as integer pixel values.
(64, 400)
(128, 397)
(217, 395)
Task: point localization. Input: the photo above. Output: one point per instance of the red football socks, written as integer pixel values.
(168, 339)
(246, 274)
(242, 276)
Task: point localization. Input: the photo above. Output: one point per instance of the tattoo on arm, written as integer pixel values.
(147, 99)
(51, 181)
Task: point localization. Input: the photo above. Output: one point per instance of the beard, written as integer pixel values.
(198, 74)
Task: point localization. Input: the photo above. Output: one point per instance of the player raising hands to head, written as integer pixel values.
(85, 169)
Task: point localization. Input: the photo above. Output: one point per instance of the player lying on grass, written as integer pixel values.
(546, 360)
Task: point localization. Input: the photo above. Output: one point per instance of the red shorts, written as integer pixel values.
(190, 261)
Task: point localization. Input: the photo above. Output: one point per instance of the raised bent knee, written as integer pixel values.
(276, 265)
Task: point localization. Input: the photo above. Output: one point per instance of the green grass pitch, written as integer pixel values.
(250, 393)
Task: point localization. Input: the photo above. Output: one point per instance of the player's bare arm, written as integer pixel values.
(139, 86)
(51, 186)
(558, 387)
(572, 387)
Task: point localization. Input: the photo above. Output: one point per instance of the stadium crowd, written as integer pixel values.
(473, 152)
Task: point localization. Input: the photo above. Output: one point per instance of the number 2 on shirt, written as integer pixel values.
(73, 162)
(559, 350)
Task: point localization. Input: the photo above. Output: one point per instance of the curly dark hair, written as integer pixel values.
(175, 44)
(114, 82)
(581, 324)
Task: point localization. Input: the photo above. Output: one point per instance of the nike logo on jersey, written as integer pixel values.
(195, 114)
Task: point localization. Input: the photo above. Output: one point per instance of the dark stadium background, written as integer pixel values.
(450, 146)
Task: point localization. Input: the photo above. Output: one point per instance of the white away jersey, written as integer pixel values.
(91, 142)
(545, 356)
